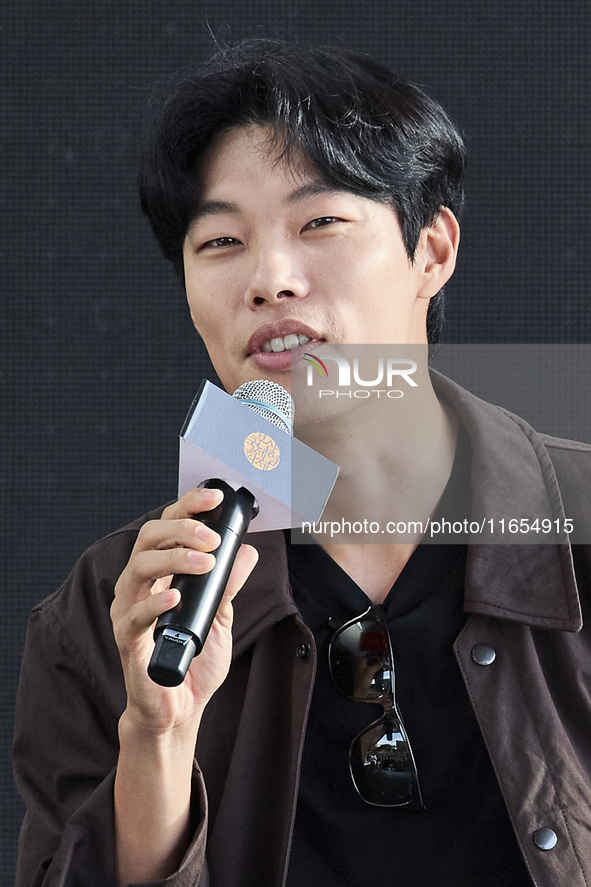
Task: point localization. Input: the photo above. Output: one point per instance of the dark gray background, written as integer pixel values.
(99, 362)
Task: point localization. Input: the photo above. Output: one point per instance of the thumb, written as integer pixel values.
(244, 564)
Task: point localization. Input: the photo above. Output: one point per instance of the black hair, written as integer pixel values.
(362, 127)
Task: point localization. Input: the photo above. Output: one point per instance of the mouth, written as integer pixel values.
(285, 335)
(284, 343)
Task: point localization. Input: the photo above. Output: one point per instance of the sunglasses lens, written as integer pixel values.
(382, 766)
(380, 758)
(360, 659)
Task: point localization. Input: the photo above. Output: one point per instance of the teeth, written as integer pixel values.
(285, 343)
(291, 341)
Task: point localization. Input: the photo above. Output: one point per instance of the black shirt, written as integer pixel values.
(464, 837)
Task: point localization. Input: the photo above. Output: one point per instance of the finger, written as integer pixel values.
(142, 616)
(180, 533)
(146, 567)
(134, 625)
(194, 502)
(245, 562)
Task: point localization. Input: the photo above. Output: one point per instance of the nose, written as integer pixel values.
(276, 276)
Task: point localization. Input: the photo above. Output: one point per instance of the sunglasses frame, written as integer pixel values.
(391, 723)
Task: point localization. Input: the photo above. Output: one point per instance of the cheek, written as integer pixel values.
(210, 329)
(213, 299)
(197, 314)
(201, 308)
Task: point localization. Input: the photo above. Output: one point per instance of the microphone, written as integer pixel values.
(181, 632)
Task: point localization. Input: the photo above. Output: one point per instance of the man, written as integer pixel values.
(310, 198)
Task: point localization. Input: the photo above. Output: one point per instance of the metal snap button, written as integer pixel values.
(483, 654)
(303, 651)
(545, 838)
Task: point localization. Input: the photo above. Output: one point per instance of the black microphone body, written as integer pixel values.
(181, 632)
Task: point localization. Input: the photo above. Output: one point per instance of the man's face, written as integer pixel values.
(276, 262)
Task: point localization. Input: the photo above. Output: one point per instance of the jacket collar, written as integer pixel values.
(512, 476)
(528, 583)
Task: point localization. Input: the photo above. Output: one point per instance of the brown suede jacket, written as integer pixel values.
(523, 654)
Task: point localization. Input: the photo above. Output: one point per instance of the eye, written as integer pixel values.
(219, 243)
(322, 222)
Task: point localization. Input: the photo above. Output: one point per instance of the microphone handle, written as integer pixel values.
(181, 632)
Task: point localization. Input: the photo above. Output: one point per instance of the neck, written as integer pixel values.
(396, 457)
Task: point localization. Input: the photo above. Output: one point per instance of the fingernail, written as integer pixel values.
(210, 492)
(169, 597)
(202, 558)
(206, 534)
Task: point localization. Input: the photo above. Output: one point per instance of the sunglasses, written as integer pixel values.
(381, 761)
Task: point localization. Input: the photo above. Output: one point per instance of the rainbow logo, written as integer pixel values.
(316, 362)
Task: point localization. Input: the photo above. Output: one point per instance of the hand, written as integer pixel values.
(174, 544)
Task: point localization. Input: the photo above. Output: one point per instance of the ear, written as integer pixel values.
(437, 251)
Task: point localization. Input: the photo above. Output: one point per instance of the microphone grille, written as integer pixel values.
(270, 400)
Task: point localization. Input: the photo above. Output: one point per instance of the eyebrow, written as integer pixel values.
(217, 207)
(213, 208)
(314, 189)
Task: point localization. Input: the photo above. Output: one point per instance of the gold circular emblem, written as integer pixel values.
(261, 451)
